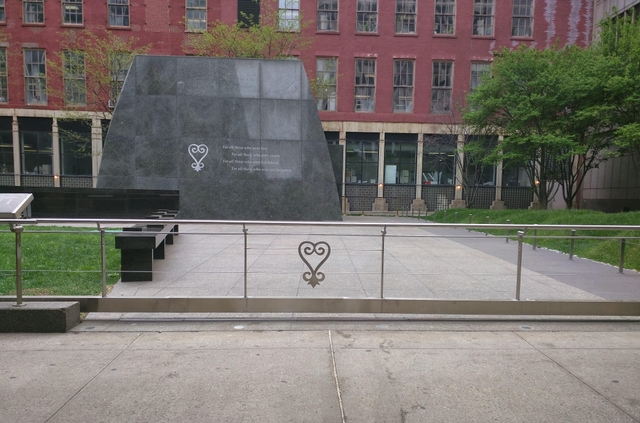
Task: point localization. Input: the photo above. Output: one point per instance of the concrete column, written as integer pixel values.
(380, 203)
(17, 163)
(381, 166)
(343, 142)
(458, 202)
(96, 149)
(418, 202)
(498, 204)
(55, 144)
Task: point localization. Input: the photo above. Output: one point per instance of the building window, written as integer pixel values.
(362, 158)
(35, 75)
(478, 70)
(120, 63)
(365, 85)
(75, 147)
(4, 84)
(75, 91)
(327, 15)
(367, 16)
(483, 17)
(36, 143)
(326, 83)
(248, 12)
(2, 15)
(33, 11)
(522, 23)
(118, 12)
(196, 15)
(441, 86)
(6, 150)
(288, 15)
(439, 160)
(400, 158)
(403, 86)
(405, 16)
(445, 16)
(72, 12)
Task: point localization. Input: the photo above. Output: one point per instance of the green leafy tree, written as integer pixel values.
(272, 35)
(619, 43)
(548, 105)
(92, 67)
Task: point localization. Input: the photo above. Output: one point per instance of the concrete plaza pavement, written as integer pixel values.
(339, 368)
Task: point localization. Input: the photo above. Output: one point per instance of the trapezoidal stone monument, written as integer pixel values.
(239, 138)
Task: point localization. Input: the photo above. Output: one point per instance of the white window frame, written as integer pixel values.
(477, 70)
(35, 76)
(367, 16)
(327, 15)
(522, 18)
(484, 17)
(195, 15)
(403, 85)
(33, 11)
(365, 85)
(445, 17)
(72, 8)
(289, 15)
(406, 16)
(327, 83)
(75, 88)
(4, 81)
(441, 87)
(119, 13)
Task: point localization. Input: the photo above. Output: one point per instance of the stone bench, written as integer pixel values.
(140, 245)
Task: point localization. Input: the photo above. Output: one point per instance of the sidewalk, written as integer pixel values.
(325, 371)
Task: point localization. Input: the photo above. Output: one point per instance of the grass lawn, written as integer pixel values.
(57, 261)
(605, 251)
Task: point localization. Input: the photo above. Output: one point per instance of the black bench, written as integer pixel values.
(140, 245)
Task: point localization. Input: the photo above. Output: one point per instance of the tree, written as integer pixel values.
(619, 43)
(273, 36)
(548, 105)
(93, 67)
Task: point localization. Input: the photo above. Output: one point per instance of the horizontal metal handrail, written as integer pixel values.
(383, 304)
(93, 222)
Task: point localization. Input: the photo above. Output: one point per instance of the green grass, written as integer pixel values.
(57, 263)
(605, 251)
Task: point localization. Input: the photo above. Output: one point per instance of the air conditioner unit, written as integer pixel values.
(111, 104)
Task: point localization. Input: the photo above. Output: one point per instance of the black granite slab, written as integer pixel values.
(238, 138)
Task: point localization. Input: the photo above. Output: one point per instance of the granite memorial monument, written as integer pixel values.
(238, 138)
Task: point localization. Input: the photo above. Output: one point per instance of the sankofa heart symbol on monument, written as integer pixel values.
(198, 152)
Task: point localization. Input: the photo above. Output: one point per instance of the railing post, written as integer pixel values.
(621, 268)
(506, 238)
(470, 218)
(384, 232)
(103, 261)
(486, 231)
(17, 229)
(573, 234)
(397, 204)
(363, 205)
(519, 269)
(245, 231)
(535, 239)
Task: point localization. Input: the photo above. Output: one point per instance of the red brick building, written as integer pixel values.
(393, 72)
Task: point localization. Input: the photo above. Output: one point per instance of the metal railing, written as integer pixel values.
(314, 274)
